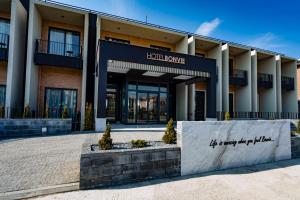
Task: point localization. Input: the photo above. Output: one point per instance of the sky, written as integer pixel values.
(268, 24)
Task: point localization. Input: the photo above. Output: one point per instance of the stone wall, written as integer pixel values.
(295, 141)
(114, 167)
(33, 127)
(209, 146)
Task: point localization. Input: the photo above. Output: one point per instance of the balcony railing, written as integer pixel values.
(4, 44)
(287, 83)
(58, 54)
(238, 77)
(264, 80)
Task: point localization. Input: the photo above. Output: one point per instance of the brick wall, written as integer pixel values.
(58, 77)
(107, 168)
(3, 72)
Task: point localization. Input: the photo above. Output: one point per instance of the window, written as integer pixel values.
(64, 43)
(57, 99)
(4, 32)
(2, 95)
(117, 40)
(160, 48)
(200, 55)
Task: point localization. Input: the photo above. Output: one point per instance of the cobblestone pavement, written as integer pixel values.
(46, 161)
(273, 181)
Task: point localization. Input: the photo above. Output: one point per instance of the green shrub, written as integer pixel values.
(227, 116)
(138, 143)
(105, 143)
(65, 113)
(298, 127)
(26, 113)
(170, 133)
(2, 111)
(88, 118)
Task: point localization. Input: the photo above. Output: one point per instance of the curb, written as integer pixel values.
(39, 191)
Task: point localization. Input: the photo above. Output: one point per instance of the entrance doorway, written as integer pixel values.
(147, 107)
(200, 106)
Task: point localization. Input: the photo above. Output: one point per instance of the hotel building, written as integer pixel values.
(134, 72)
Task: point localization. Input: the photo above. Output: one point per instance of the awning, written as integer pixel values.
(124, 67)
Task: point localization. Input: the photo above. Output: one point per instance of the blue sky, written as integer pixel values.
(265, 24)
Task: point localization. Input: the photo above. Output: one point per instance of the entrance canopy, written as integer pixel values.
(152, 70)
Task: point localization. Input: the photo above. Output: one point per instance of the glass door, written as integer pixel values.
(142, 107)
(152, 106)
(200, 106)
(111, 106)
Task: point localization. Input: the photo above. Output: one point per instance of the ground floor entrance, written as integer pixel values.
(136, 102)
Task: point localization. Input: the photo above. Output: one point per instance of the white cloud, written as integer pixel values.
(266, 41)
(207, 28)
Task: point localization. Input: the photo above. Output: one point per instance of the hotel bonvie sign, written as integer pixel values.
(165, 58)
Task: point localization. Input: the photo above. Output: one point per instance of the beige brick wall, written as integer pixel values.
(3, 72)
(58, 77)
(4, 15)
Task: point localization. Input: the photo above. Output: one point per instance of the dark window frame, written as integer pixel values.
(113, 39)
(4, 86)
(61, 92)
(162, 48)
(65, 31)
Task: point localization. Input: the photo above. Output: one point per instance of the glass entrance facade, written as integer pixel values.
(141, 103)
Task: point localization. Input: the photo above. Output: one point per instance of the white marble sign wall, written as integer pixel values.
(208, 146)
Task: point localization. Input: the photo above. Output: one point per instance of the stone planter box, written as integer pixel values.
(114, 167)
(33, 127)
(295, 141)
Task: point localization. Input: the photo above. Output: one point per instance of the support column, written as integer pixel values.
(254, 81)
(211, 98)
(34, 32)
(278, 84)
(225, 77)
(181, 102)
(192, 103)
(16, 56)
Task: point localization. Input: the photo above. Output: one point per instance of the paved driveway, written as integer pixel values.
(48, 161)
(274, 181)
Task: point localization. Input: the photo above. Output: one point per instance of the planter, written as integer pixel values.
(113, 167)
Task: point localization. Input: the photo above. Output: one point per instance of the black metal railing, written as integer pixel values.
(50, 113)
(238, 77)
(58, 48)
(264, 80)
(287, 83)
(258, 115)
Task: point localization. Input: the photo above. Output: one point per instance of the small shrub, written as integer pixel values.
(138, 143)
(65, 113)
(170, 133)
(227, 116)
(2, 111)
(298, 127)
(105, 143)
(88, 117)
(26, 113)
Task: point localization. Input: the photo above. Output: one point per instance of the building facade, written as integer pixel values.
(133, 72)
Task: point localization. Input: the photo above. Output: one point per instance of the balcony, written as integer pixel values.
(238, 77)
(58, 54)
(264, 80)
(4, 43)
(287, 83)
